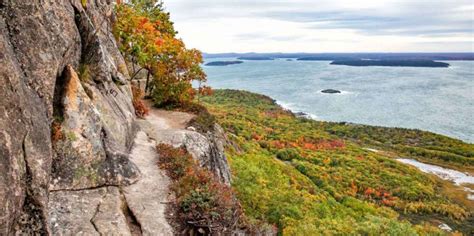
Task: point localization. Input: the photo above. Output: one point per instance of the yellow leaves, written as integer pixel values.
(144, 25)
(262, 181)
(354, 189)
(326, 161)
(147, 39)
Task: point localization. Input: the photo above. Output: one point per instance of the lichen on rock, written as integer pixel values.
(38, 40)
(82, 158)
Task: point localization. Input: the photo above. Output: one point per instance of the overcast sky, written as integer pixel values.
(325, 25)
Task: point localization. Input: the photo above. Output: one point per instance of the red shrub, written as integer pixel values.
(379, 196)
(56, 132)
(311, 144)
(204, 203)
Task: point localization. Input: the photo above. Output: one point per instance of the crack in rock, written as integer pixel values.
(132, 222)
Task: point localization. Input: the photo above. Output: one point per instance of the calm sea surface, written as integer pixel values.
(440, 100)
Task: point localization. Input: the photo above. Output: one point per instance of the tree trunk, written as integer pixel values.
(147, 81)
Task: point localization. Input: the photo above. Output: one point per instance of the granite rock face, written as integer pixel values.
(68, 126)
(207, 149)
(83, 156)
(38, 40)
(88, 212)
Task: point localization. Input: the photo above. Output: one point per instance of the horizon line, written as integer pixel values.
(464, 52)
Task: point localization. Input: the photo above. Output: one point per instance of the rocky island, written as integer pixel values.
(330, 91)
(395, 63)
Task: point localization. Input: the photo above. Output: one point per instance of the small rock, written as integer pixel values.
(445, 227)
(302, 115)
(190, 128)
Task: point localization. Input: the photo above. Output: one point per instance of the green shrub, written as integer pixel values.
(84, 73)
(288, 154)
(204, 121)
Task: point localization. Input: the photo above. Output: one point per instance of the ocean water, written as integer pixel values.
(440, 100)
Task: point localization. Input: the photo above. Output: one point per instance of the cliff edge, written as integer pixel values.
(69, 129)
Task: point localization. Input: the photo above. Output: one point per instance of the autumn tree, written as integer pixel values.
(147, 39)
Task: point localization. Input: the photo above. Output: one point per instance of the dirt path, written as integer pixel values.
(163, 119)
(148, 198)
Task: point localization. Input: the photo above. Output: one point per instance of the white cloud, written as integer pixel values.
(325, 26)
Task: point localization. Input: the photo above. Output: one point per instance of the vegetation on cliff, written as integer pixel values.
(311, 177)
(148, 41)
(204, 205)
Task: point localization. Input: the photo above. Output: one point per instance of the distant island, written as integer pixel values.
(452, 56)
(330, 91)
(324, 58)
(256, 58)
(396, 63)
(223, 63)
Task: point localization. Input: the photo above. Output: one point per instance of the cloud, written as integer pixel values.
(324, 26)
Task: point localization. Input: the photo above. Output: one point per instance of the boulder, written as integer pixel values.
(86, 155)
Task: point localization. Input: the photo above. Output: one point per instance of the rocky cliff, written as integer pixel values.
(68, 125)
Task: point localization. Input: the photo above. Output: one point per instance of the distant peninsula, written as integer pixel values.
(223, 63)
(467, 56)
(395, 63)
(254, 58)
(324, 58)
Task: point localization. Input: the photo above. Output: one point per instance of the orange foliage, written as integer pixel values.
(203, 202)
(146, 37)
(293, 144)
(309, 146)
(354, 189)
(380, 196)
(141, 110)
(205, 91)
(56, 132)
(257, 137)
(314, 145)
(278, 144)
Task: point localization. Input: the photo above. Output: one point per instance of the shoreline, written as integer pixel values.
(307, 115)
